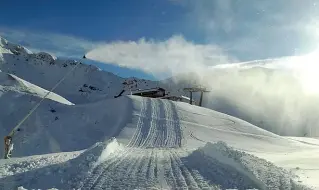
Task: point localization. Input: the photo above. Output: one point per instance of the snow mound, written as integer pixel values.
(231, 169)
(68, 169)
(111, 148)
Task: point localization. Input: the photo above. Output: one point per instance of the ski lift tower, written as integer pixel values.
(196, 89)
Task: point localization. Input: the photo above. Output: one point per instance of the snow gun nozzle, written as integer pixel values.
(84, 57)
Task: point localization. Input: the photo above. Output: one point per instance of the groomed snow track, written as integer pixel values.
(151, 159)
(155, 158)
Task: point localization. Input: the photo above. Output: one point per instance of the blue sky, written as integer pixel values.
(236, 30)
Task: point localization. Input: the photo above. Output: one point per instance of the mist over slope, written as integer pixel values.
(261, 92)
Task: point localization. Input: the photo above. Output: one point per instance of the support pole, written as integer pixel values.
(201, 98)
(191, 98)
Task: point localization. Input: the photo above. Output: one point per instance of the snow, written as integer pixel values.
(112, 148)
(14, 83)
(131, 142)
(160, 144)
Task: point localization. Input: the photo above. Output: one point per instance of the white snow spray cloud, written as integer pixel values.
(175, 55)
(279, 95)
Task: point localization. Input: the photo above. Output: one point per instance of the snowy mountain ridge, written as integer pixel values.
(10, 82)
(87, 84)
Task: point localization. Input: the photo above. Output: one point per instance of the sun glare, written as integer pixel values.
(309, 72)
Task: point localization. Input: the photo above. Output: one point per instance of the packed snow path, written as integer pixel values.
(151, 158)
(155, 158)
(158, 125)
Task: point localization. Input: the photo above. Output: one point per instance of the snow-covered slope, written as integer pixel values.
(10, 82)
(158, 145)
(87, 84)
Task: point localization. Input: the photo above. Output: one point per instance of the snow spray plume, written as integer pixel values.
(277, 95)
(164, 58)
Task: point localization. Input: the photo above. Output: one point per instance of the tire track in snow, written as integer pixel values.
(141, 118)
(145, 124)
(132, 169)
(180, 180)
(141, 173)
(190, 181)
(151, 175)
(161, 127)
(131, 180)
(160, 170)
(174, 137)
(177, 126)
(170, 134)
(99, 169)
(153, 124)
(200, 181)
(159, 165)
(98, 184)
(168, 171)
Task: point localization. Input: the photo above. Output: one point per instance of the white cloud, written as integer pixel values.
(172, 56)
(255, 29)
(60, 45)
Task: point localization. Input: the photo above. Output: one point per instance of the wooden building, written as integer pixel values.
(151, 93)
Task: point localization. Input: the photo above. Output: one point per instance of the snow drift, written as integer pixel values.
(215, 166)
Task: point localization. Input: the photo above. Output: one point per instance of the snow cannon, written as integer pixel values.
(84, 57)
